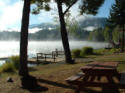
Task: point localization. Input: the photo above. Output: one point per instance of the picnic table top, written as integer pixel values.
(101, 66)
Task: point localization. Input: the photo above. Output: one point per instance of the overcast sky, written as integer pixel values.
(11, 13)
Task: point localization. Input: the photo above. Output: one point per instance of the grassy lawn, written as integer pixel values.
(52, 76)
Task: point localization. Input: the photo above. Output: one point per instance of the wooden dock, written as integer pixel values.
(50, 60)
(54, 56)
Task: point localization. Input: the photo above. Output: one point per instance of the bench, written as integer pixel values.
(74, 78)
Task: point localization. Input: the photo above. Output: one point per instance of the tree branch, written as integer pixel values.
(69, 7)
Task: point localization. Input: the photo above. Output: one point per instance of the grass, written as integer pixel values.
(10, 66)
(52, 76)
(7, 67)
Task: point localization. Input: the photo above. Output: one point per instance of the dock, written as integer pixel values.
(42, 60)
(54, 56)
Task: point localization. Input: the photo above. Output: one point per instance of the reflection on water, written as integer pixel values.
(9, 48)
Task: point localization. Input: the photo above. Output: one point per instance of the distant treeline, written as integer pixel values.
(44, 35)
(108, 34)
(100, 34)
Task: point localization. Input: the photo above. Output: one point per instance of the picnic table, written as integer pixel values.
(100, 69)
(93, 73)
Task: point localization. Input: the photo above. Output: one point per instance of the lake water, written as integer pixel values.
(9, 48)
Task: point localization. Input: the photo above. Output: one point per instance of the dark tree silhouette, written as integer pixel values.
(117, 17)
(23, 71)
(63, 30)
(27, 81)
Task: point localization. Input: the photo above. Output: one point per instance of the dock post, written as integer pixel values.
(56, 52)
(54, 58)
(37, 57)
(45, 57)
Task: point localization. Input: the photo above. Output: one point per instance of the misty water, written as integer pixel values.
(10, 48)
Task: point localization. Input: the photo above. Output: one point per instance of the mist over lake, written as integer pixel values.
(9, 48)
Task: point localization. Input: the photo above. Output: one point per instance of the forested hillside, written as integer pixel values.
(49, 31)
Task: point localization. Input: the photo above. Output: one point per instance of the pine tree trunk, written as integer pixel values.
(64, 35)
(27, 81)
(23, 70)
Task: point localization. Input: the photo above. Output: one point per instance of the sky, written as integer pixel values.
(11, 14)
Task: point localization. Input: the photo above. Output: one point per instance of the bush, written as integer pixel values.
(15, 61)
(86, 51)
(76, 53)
(100, 51)
(7, 67)
(113, 50)
(10, 66)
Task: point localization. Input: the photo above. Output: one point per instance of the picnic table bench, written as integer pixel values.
(93, 73)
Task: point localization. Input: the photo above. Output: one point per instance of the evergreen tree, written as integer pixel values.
(107, 34)
(23, 70)
(116, 34)
(117, 17)
(27, 81)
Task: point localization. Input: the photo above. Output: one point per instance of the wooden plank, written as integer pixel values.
(101, 69)
(75, 77)
(101, 66)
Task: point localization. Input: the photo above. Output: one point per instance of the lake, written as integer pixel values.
(9, 48)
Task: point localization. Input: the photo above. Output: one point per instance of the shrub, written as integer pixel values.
(7, 67)
(99, 51)
(76, 53)
(86, 51)
(10, 66)
(15, 61)
(113, 50)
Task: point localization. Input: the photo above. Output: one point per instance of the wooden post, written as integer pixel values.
(45, 57)
(37, 57)
(56, 52)
(54, 58)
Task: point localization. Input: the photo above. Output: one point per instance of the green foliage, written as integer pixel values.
(40, 4)
(116, 34)
(114, 50)
(96, 35)
(76, 53)
(117, 13)
(7, 67)
(86, 51)
(106, 51)
(99, 51)
(107, 34)
(90, 6)
(15, 61)
(10, 66)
